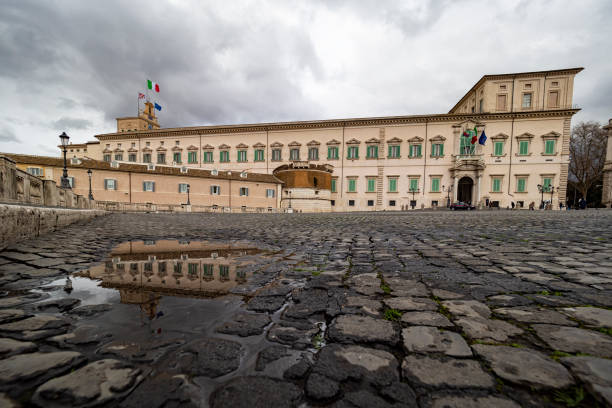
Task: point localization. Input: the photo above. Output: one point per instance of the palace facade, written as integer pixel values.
(388, 163)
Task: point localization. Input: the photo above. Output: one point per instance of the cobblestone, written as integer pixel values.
(341, 310)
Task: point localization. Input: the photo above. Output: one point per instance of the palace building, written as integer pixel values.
(384, 163)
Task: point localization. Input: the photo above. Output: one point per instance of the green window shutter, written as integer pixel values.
(390, 151)
(496, 185)
(499, 148)
(351, 185)
(441, 149)
(435, 185)
(550, 147)
(371, 185)
(392, 185)
(375, 148)
(521, 185)
(333, 185)
(523, 147)
(414, 184)
(547, 183)
(418, 150)
(144, 186)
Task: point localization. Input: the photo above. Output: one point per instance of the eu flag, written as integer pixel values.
(483, 138)
(158, 107)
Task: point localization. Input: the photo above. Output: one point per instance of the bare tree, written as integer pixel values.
(587, 155)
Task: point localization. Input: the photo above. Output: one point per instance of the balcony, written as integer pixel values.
(468, 162)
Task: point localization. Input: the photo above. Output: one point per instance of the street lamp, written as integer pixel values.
(289, 192)
(64, 139)
(413, 202)
(188, 201)
(552, 190)
(545, 189)
(90, 192)
(448, 191)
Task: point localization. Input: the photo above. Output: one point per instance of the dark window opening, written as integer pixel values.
(370, 203)
(391, 203)
(351, 203)
(333, 202)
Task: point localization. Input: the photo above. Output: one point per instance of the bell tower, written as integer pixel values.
(146, 120)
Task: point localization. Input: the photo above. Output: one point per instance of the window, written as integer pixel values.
(215, 190)
(224, 156)
(176, 157)
(497, 185)
(351, 203)
(523, 147)
(434, 203)
(192, 268)
(313, 153)
(553, 99)
(526, 100)
(394, 151)
(502, 87)
(110, 184)
(207, 269)
(465, 144)
(370, 203)
(547, 183)
(549, 147)
(521, 184)
(183, 187)
(132, 157)
(71, 182)
(437, 150)
(527, 86)
(371, 185)
(107, 158)
(242, 155)
(352, 152)
(333, 202)
(415, 150)
(244, 191)
(146, 157)
(35, 171)
(119, 157)
(224, 271)
(259, 155)
(333, 185)
(372, 152)
(554, 83)
(161, 158)
(270, 193)
(498, 148)
(208, 157)
(391, 203)
(148, 143)
(435, 184)
(332, 152)
(481, 105)
(192, 157)
(276, 155)
(414, 184)
(294, 154)
(393, 185)
(148, 186)
(352, 185)
(501, 102)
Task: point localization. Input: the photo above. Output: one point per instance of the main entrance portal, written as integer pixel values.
(464, 192)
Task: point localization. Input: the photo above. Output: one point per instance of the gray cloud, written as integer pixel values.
(71, 123)
(7, 135)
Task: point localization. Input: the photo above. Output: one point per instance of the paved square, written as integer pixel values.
(421, 309)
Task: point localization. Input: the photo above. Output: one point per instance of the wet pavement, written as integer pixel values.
(424, 309)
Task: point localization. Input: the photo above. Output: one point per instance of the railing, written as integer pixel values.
(181, 208)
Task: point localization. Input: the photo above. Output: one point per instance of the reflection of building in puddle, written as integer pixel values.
(143, 271)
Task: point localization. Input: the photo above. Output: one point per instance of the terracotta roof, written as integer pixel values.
(139, 168)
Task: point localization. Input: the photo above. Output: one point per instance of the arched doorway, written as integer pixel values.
(464, 191)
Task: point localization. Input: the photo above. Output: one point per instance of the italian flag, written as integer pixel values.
(152, 85)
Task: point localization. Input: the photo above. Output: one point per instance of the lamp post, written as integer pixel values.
(64, 139)
(542, 189)
(188, 201)
(413, 202)
(552, 190)
(90, 192)
(289, 192)
(448, 191)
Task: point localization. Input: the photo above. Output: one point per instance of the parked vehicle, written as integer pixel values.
(460, 205)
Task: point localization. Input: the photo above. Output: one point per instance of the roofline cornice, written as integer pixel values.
(334, 123)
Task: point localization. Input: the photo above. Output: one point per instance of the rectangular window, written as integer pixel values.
(110, 184)
(224, 271)
(208, 157)
(276, 155)
(501, 102)
(215, 190)
(526, 100)
(259, 155)
(481, 105)
(146, 158)
(224, 156)
(35, 171)
(393, 185)
(524, 147)
(497, 185)
(148, 186)
(547, 183)
(207, 269)
(332, 152)
(372, 152)
(520, 185)
(549, 147)
(313, 153)
(132, 157)
(71, 182)
(435, 185)
(192, 157)
(161, 158)
(176, 157)
(415, 150)
(119, 157)
(270, 193)
(498, 148)
(107, 158)
(370, 203)
(294, 154)
(391, 203)
(242, 155)
(244, 191)
(394, 151)
(333, 185)
(353, 152)
(192, 269)
(553, 99)
(371, 185)
(351, 203)
(352, 185)
(437, 150)
(414, 184)
(183, 187)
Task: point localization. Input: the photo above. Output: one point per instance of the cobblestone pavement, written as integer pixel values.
(424, 309)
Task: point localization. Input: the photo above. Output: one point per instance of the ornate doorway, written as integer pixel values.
(464, 190)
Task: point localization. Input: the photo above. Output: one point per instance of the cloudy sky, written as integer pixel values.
(74, 65)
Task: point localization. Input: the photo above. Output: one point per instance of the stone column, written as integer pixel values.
(606, 195)
(477, 200)
(455, 187)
